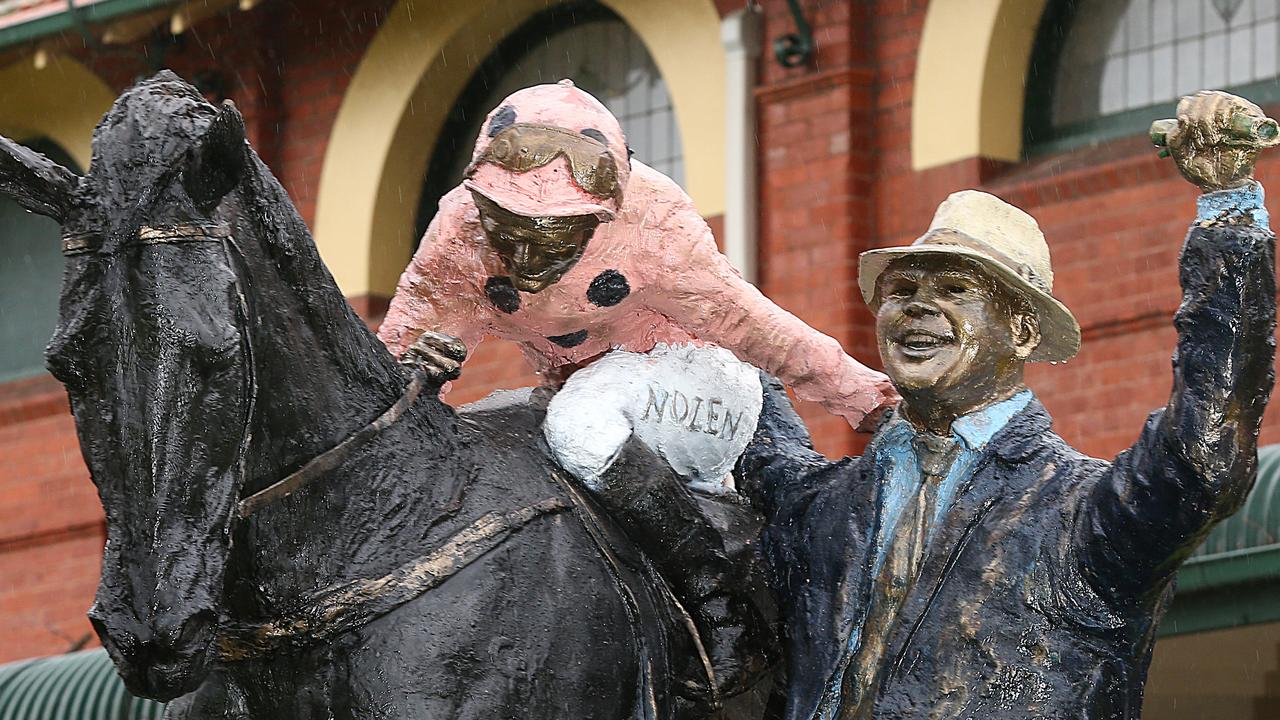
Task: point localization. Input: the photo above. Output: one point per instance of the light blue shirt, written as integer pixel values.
(896, 455)
(1248, 199)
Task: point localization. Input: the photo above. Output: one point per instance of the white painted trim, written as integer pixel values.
(740, 35)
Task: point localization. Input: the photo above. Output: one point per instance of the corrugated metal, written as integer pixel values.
(76, 686)
(1257, 524)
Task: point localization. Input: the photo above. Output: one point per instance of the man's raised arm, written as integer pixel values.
(1197, 458)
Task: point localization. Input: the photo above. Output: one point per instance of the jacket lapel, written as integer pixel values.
(853, 523)
(854, 589)
(986, 487)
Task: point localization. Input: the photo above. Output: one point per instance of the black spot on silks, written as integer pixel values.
(608, 289)
(594, 134)
(502, 294)
(572, 339)
(503, 119)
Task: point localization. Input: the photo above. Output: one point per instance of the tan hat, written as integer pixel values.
(1006, 241)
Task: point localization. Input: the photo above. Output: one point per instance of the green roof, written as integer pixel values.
(1257, 524)
(1234, 577)
(65, 20)
(76, 686)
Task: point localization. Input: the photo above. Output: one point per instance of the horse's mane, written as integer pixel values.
(149, 126)
(152, 125)
(287, 242)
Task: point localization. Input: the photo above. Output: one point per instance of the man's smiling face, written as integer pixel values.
(948, 334)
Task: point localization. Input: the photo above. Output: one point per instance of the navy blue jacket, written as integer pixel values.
(1040, 593)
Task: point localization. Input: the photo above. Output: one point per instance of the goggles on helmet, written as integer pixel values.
(524, 146)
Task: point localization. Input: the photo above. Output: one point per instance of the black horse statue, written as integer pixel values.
(297, 526)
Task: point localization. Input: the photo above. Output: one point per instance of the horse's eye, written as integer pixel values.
(211, 350)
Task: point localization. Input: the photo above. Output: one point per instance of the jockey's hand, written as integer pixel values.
(1215, 143)
(437, 355)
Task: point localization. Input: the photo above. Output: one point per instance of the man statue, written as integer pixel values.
(972, 564)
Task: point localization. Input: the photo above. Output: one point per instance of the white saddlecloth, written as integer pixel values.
(696, 407)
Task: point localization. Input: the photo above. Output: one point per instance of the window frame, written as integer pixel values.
(1040, 138)
(457, 132)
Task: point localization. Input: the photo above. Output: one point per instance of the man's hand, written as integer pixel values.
(1217, 139)
(438, 355)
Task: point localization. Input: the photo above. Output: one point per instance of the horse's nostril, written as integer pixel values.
(193, 629)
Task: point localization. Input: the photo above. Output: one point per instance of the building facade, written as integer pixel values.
(806, 131)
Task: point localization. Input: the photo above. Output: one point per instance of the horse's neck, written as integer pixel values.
(320, 374)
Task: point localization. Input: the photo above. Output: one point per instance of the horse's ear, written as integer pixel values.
(37, 183)
(217, 160)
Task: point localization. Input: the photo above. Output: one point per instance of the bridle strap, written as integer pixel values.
(82, 243)
(333, 457)
(345, 606)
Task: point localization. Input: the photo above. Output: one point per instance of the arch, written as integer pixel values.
(62, 102)
(421, 58)
(970, 81)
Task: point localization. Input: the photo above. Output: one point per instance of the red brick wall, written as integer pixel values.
(817, 162)
(1115, 216)
(51, 527)
(286, 65)
(836, 178)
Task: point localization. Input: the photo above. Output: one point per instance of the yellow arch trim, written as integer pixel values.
(971, 77)
(62, 102)
(416, 66)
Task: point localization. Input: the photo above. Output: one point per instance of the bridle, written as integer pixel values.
(332, 458)
(220, 232)
(343, 606)
(338, 608)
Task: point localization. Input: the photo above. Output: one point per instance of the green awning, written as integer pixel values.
(76, 686)
(64, 20)
(1245, 546)
(1233, 579)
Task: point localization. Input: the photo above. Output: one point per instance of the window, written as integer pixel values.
(1107, 68)
(586, 43)
(30, 278)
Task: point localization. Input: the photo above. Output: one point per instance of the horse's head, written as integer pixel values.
(151, 347)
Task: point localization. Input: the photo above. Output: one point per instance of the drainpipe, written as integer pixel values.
(740, 35)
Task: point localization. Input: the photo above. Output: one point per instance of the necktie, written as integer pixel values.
(897, 575)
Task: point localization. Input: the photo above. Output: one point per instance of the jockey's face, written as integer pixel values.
(537, 251)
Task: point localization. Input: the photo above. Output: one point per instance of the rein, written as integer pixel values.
(334, 456)
(344, 606)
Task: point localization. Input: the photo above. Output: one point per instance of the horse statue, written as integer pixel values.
(297, 526)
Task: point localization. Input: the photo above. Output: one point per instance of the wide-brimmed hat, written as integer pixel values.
(1004, 240)
(551, 187)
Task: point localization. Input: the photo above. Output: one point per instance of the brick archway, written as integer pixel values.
(62, 102)
(420, 60)
(970, 81)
